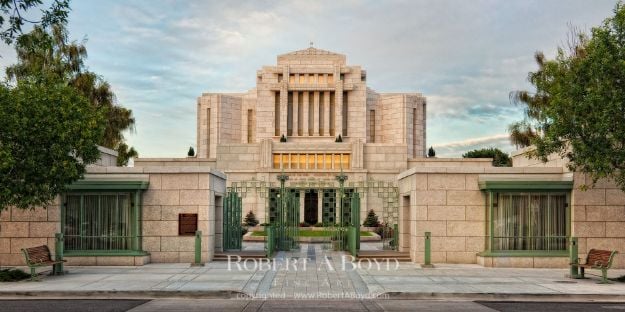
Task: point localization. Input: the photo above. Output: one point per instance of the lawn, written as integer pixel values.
(310, 233)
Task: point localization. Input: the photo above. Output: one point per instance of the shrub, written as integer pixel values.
(339, 139)
(13, 275)
(191, 152)
(318, 224)
(283, 139)
(250, 219)
(431, 152)
(371, 220)
(304, 224)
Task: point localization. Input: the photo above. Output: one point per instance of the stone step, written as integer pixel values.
(243, 254)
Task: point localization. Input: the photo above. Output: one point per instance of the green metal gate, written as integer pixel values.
(232, 230)
(284, 215)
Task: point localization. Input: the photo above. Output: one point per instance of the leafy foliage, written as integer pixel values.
(49, 133)
(49, 56)
(13, 14)
(500, 159)
(578, 109)
(431, 152)
(250, 219)
(13, 275)
(371, 220)
(191, 152)
(124, 154)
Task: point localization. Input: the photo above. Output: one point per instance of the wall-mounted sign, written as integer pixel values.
(187, 224)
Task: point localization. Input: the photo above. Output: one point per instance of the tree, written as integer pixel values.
(13, 13)
(431, 152)
(371, 220)
(339, 139)
(578, 108)
(49, 133)
(250, 219)
(283, 139)
(191, 152)
(500, 159)
(49, 56)
(124, 154)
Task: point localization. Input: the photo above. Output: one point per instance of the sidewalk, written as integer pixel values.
(214, 280)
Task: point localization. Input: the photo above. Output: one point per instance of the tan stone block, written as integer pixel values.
(80, 261)
(54, 213)
(421, 212)
(155, 181)
(171, 212)
(181, 181)
(605, 213)
(461, 257)
(589, 197)
(437, 228)
(5, 245)
(141, 260)
(475, 244)
(164, 257)
(44, 229)
(446, 213)
(466, 228)
(603, 183)
(551, 262)
(513, 262)
(202, 212)
(475, 213)
(615, 229)
(180, 243)
(18, 243)
(614, 197)
(114, 261)
(582, 245)
(485, 261)
(14, 229)
(161, 197)
(579, 213)
(446, 181)
(423, 198)
(187, 257)
(589, 229)
(473, 198)
(151, 243)
(617, 244)
(12, 259)
(421, 181)
(203, 181)
(151, 213)
(194, 197)
(37, 214)
(438, 257)
(160, 228)
(448, 243)
(471, 182)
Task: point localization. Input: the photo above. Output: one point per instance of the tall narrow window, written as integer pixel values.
(302, 78)
(332, 115)
(330, 78)
(322, 78)
(291, 79)
(300, 114)
(289, 115)
(415, 140)
(311, 113)
(276, 114)
(372, 126)
(250, 126)
(321, 106)
(345, 117)
(208, 132)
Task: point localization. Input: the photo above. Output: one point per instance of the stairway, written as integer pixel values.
(253, 254)
(383, 255)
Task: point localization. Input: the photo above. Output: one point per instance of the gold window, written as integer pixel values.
(330, 78)
(302, 78)
(291, 78)
(322, 78)
(285, 161)
(294, 161)
(319, 161)
(311, 161)
(311, 78)
(276, 161)
(336, 161)
(328, 161)
(345, 161)
(302, 161)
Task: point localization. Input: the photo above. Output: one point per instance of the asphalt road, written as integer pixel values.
(191, 305)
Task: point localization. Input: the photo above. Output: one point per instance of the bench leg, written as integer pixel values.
(604, 277)
(33, 274)
(581, 272)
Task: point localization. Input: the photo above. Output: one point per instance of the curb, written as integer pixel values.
(501, 297)
(122, 294)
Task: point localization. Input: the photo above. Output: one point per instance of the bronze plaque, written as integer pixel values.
(187, 224)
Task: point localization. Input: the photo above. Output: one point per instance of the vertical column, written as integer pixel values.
(319, 205)
(284, 98)
(316, 113)
(305, 115)
(326, 113)
(302, 196)
(295, 113)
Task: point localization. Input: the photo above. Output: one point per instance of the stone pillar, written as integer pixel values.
(326, 113)
(319, 205)
(302, 196)
(295, 113)
(305, 125)
(284, 98)
(316, 113)
(338, 106)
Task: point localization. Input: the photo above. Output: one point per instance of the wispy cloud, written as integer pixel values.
(456, 148)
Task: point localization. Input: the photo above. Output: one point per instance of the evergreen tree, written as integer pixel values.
(431, 152)
(191, 152)
(250, 219)
(371, 220)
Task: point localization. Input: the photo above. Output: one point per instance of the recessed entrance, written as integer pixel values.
(311, 207)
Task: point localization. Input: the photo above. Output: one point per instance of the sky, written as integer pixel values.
(464, 56)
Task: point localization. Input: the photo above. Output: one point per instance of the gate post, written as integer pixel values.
(270, 240)
(428, 250)
(58, 254)
(574, 259)
(198, 249)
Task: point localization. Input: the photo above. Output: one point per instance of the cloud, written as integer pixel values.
(457, 148)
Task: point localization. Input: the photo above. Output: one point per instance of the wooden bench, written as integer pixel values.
(599, 260)
(37, 257)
